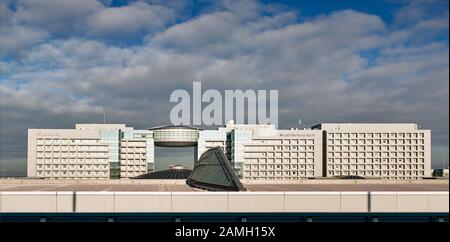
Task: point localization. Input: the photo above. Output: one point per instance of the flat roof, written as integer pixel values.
(174, 127)
(347, 187)
(179, 185)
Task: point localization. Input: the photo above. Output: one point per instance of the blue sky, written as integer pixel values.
(64, 62)
(384, 9)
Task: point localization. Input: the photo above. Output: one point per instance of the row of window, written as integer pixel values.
(377, 167)
(85, 142)
(77, 173)
(278, 167)
(375, 141)
(279, 148)
(279, 154)
(87, 167)
(133, 150)
(133, 165)
(137, 161)
(66, 141)
(193, 134)
(376, 135)
(277, 173)
(132, 156)
(140, 171)
(375, 148)
(375, 173)
(150, 135)
(284, 141)
(279, 160)
(75, 177)
(376, 160)
(130, 145)
(72, 148)
(70, 154)
(71, 161)
(376, 154)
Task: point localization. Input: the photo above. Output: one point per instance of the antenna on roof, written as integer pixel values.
(104, 116)
(443, 162)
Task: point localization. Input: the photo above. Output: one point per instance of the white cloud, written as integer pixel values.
(433, 24)
(55, 15)
(77, 54)
(207, 29)
(128, 20)
(16, 39)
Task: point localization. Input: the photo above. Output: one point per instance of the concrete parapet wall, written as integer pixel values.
(420, 202)
(312, 201)
(289, 202)
(28, 202)
(256, 201)
(64, 202)
(142, 202)
(199, 202)
(94, 202)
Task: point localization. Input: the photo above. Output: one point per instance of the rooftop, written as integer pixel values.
(174, 172)
(174, 127)
(368, 126)
(180, 185)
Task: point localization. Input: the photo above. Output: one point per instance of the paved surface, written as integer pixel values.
(96, 187)
(250, 187)
(348, 187)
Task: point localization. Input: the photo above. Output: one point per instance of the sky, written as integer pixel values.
(67, 62)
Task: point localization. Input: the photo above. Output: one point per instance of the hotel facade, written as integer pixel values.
(256, 151)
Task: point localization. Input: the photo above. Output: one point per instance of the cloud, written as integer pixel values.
(5, 13)
(76, 54)
(59, 17)
(128, 20)
(33, 22)
(207, 29)
(17, 39)
(434, 24)
(417, 10)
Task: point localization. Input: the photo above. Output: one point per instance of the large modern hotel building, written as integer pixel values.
(257, 152)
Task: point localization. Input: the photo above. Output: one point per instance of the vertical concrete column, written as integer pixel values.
(354, 202)
(65, 202)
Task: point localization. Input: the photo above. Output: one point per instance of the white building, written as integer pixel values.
(388, 150)
(261, 152)
(89, 151)
(137, 153)
(256, 151)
